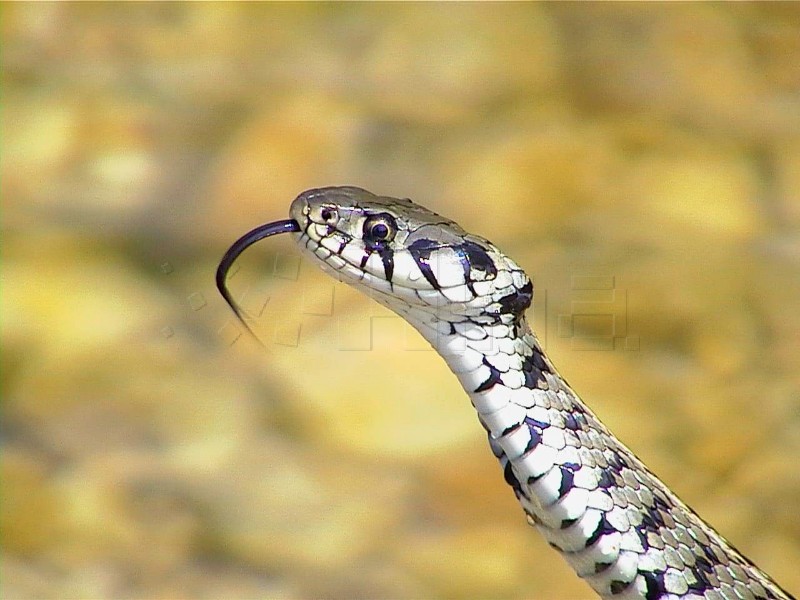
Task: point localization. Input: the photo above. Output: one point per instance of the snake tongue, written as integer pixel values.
(239, 246)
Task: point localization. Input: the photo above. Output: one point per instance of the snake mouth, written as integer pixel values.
(239, 246)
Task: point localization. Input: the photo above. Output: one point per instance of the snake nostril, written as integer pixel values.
(328, 215)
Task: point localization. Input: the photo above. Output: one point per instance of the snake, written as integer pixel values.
(618, 526)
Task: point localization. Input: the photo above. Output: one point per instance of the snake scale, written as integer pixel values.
(616, 524)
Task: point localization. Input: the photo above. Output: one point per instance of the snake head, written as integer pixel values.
(409, 258)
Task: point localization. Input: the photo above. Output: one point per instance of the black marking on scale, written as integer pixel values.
(511, 479)
(535, 429)
(571, 423)
(599, 567)
(662, 504)
(656, 586)
(710, 554)
(642, 535)
(536, 439)
(652, 522)
(421, 251)
(534, 367)
(704, 565)
(606, 480)
(567, 479)
(536, 423)
(517, 302)
(617, 586)
(603, 528)
(494, 378)
(534, 478)
(387, 258)
(701, 582)
(567, 523)
(511, 428)
(474, 258)
(386, 255)
(618, 462)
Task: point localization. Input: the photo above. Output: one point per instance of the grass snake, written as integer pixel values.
(616, 524)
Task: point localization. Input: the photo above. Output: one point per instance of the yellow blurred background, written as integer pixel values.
(641, 162)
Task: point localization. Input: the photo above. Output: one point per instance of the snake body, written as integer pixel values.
(617, 525)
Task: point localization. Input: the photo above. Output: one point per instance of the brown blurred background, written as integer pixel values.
(642, 162)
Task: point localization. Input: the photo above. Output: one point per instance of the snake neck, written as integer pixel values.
(617, 525)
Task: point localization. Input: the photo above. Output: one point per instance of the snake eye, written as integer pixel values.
(379, 229)
(328, 214)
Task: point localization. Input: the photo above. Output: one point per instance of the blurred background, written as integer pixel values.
(641, 162)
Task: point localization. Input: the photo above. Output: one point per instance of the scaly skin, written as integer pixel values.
(617, 525)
